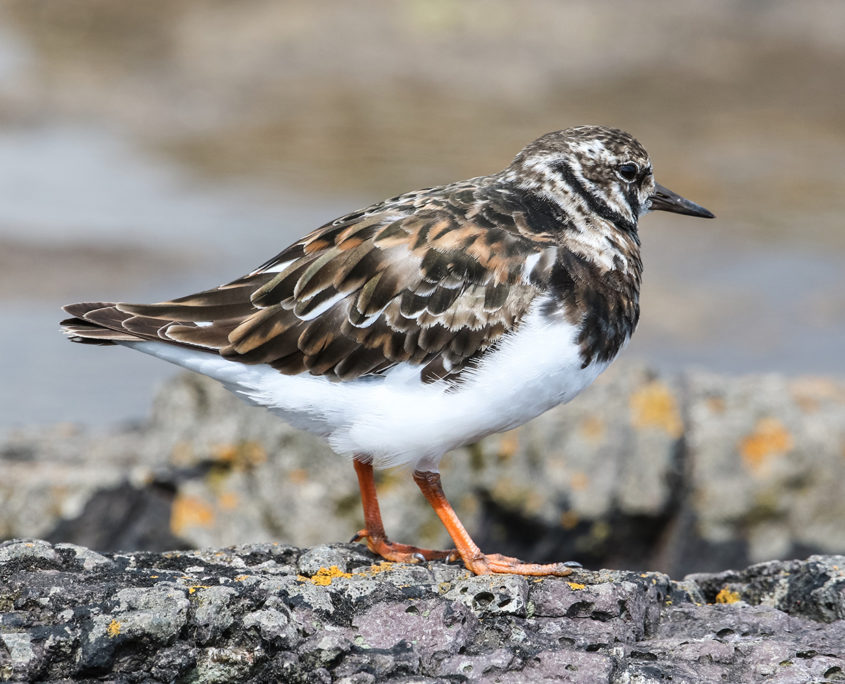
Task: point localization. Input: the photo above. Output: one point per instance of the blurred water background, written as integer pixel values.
(155, 148)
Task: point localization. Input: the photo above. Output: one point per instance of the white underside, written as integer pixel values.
(396, 419)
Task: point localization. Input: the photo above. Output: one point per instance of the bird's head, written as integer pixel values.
(595, 170)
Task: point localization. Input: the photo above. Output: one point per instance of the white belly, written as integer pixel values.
(396, 419)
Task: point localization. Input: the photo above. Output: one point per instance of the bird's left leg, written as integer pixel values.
(373, 533)
(476, 561)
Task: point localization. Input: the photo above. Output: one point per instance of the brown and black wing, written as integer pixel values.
(421, 278)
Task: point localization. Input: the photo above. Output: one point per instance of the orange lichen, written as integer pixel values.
(575, 586)
(727, 596)
(769, 437)
(654, 406)
(190, 511)
(113, 629)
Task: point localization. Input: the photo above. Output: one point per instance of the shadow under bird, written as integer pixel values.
(429, 320)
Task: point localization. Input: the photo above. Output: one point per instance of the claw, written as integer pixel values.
(419, 557)
(573, 564)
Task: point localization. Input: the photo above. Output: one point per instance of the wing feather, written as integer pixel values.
(433, 280)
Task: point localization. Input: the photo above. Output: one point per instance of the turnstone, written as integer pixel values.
(429, 320)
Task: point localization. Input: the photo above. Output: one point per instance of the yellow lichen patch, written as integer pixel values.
(654, 406)
(592, 429)
(241, 578)
(568, 520)
(576, 586)
(324, 576)
(769, 437)
(194, 587)
(190, 511)
(727, 596)
(113, 629)
(383, 566)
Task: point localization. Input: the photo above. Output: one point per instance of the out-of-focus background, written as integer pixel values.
(151, 149)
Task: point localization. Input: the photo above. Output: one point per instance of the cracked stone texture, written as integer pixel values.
(269, 612)
(680, 473)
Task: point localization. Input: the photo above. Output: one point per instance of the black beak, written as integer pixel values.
(664, 199)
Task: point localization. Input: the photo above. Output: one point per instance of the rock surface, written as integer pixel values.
(271, 612)
(679, 473)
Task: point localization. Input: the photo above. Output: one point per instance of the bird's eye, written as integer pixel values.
(628, 171)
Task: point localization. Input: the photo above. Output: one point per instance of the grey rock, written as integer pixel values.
(492, 594)
(273, 626)
(813, 588)
(212, 614)
(89, 559)
(248, 614)
(219, 665)
(27, 549)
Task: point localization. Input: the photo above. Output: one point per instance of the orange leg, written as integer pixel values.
(477, 562)
(373, 532)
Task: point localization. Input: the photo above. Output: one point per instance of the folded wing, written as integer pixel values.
(428, 283)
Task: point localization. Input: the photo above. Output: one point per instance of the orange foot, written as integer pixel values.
(473, 558)
(490, 563)
(401, 553)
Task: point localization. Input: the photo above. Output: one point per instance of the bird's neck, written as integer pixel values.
(558, 215)
(603, 244)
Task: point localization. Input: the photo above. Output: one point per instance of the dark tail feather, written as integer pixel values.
(97, 323)
(107, 323)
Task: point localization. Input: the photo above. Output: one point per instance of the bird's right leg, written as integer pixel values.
(373, 533)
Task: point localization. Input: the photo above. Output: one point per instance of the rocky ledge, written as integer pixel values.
(272, 612)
